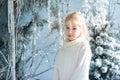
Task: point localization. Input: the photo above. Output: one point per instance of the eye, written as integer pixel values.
(74, 28)
(67, 28)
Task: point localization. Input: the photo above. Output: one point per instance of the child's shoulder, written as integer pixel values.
(84, 43)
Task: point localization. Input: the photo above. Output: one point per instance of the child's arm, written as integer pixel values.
(55, 74)
(56, 70)
(82, 69)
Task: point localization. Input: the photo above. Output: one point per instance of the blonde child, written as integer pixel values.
(73, 60)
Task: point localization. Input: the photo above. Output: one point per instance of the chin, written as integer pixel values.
(70, 39)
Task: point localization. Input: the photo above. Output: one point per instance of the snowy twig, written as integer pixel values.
(4, 57)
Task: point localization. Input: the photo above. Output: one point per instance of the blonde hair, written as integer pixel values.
(80, 19)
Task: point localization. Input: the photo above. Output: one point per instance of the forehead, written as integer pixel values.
(72, 23)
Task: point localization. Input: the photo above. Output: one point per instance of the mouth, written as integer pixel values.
(69, 35)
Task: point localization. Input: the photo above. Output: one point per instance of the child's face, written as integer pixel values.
(72, 30)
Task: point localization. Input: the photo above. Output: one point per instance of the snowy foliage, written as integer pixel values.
(38, 38)
(105, 63)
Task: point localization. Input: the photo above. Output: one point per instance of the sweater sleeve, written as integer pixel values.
(55, 74)
(81, 71)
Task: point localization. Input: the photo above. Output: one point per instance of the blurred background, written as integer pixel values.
(31, 33)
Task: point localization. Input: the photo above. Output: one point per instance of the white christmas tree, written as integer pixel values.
(105, 63)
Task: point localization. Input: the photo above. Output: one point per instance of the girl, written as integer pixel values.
(74, 57)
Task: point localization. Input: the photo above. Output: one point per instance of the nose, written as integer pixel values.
(69, 31)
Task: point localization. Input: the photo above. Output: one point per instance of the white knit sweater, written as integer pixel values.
(73, 61)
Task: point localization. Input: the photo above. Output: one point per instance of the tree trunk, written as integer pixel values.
(11, 27)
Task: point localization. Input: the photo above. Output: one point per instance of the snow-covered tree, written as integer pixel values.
(105, 64)
(37, 24)
(12, 48)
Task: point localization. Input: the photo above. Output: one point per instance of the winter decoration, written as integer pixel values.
(104, 65)
(31, 32)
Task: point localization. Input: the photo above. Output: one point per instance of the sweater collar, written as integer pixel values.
(74, 42)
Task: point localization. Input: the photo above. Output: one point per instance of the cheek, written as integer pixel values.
(66, 32)
(77, 33)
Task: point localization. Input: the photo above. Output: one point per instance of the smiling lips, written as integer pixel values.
(69, 35)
